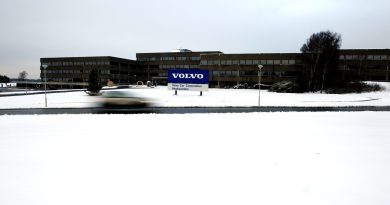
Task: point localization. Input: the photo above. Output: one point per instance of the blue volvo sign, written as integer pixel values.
(194, 80)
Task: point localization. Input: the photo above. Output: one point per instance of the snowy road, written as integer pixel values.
(187, 110)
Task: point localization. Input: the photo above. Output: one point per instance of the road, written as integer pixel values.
(185, 110)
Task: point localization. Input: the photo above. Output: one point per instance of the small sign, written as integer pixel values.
(189, 80)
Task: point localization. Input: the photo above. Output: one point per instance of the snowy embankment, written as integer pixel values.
(259, 158)
(214, 97)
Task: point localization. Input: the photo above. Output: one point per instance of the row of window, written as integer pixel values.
(179, 66)
(71, 80)
(78, 63)
(248, 62)
(364, 57)
(230, 73)
(75, 71)
(247, 73)
(171, 58)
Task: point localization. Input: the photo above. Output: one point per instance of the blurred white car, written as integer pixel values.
(122, 99)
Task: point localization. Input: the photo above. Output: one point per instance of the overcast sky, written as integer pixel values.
(56, 28)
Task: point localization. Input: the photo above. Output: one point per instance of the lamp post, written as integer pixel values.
(44, 72)
(259, 74)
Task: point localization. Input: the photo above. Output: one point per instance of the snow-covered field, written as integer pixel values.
(214, 97)
(259, 158)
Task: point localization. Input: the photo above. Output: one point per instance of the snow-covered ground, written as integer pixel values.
(258, 158)
(214, 97)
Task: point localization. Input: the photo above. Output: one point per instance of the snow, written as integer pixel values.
(214, 97)
(258, 158)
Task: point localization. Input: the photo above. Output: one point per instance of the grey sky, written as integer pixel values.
(54, 28)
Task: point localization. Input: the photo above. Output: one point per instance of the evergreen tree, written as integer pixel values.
(94, 85)
(4, 79)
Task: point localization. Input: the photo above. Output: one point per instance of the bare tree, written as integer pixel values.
(23, 76)
(320, 55)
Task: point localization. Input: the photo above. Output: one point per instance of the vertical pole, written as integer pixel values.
(175, 92)
(259, 73)
(260, 67)
(200, 93)
(45, 86)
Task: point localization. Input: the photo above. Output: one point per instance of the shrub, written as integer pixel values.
(355, 87)
(286, 87)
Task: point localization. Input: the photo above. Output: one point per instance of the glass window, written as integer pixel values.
(195, 58)
(215, 73)
(263, 62)
(235, 73)
(203, 62)
(229, 62)
(277, 62)
(242, 62)
(255, 62)
(235, 62)
(284, 62)
(216, 62)
(223, 62)
(182, 58)
(248, 62)
(270, 62)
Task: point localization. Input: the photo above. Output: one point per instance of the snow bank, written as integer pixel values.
(214, 97)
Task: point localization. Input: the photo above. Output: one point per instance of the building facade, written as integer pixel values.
(225, 70)
(73, 72)
(155, 65)
(365, 64)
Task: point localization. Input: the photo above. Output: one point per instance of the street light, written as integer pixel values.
(44, 72)
(259, 74)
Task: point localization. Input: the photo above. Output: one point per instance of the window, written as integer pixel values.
(248, 62)
(242, 62)
(284, 62)
(203, 62)
(181, 58)
(216, 62)
(291, 62)
(255, 62)
(235, 73)
(235, 62)
(263, 62)
(269, 62)
(195, 58)
(229, 62)
(277, 62)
